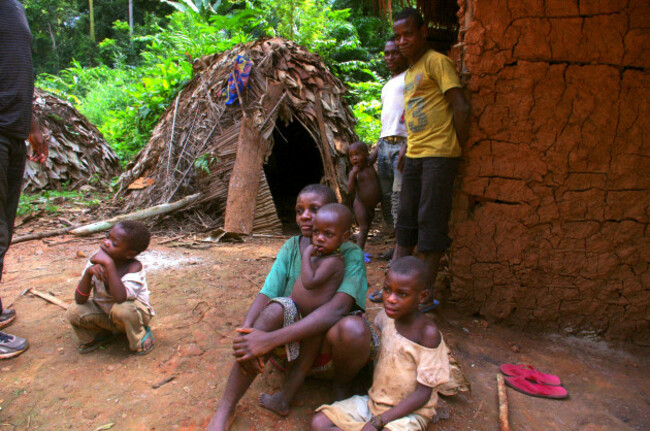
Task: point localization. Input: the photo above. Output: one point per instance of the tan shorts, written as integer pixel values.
(352, 414)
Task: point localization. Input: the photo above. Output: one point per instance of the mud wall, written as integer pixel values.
(550, 225)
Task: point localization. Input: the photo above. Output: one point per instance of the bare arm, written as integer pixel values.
(112, 279)
(258, 343)
(312, 276)
(460, 105)
(37, 144)
(408, 405)
(84, 286)
(352, 184)
(372, 158)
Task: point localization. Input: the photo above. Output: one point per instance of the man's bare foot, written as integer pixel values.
(222, 419)
(275, 403)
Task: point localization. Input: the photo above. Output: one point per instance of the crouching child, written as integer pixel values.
(120, 296)
(412, 362)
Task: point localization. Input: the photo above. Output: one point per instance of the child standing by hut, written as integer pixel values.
(363, 187)
(120, 301)
(412, 362)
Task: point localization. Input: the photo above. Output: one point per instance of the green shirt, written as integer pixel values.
(286, 270)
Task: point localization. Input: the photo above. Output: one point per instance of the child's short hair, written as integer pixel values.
(138, 235)
(342, 212)
(410, 13)
(411, 266)
(323, 191)
(358, 144)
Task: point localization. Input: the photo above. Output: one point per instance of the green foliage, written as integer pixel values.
(50, 201)
(202, 164)
(135, 76)
(367, 109)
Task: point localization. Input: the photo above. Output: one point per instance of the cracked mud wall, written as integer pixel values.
(550, 224)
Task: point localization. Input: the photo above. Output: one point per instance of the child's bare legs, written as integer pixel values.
(270, 319)
(280, 402)
(320, 422)
(364, 217)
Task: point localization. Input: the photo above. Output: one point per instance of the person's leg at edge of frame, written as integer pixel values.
(271, 318)
(409, 202)
(385, 174)
(349, 342)
(12, 165)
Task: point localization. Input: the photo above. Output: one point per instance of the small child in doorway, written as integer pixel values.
(120, 301)
(412, 362)
(321, 273)
(363, 187)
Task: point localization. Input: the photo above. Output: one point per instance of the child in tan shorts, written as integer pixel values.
(120, 300)
(412, 362)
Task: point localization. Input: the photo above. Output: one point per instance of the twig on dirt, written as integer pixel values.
(168, 240)
(504, 425)
(163, 382)
(104, 427)
(49, 298)
(253, 282)
(478, 409)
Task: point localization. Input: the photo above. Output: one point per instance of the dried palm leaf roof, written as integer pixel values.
(194, 145)
(78, 153)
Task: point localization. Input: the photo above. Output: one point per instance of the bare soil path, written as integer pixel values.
(200, 296)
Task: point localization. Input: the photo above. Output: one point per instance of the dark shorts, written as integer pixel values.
(425, 203)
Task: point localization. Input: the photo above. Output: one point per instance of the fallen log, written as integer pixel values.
(109, 223)
(41, 235)
(504, 425)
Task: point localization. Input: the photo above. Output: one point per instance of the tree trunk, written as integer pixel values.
(131, 18)
(92, 20)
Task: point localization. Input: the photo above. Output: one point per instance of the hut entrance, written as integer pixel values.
(295, 162)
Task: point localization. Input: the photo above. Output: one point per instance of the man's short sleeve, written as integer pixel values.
(354, 281)
(441, 69)
(275, 284)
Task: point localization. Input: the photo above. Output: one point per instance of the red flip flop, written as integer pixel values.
(527, 387)
(530, 373)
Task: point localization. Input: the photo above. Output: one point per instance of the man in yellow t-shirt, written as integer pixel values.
(437, 122)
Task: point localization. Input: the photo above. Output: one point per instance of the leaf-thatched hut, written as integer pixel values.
(78, 153)
(249, 159)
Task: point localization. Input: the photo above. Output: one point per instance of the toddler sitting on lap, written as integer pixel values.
(412, 362)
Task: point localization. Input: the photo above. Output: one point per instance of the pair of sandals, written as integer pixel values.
(527, 380)
(102, 340)
(377, 297)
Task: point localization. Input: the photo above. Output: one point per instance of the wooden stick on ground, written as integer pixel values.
(49, 298)
(504, 425)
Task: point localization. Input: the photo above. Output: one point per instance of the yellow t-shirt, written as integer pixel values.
(428, 115)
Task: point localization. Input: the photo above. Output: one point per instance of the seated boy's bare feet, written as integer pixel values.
(222, 419)
(275, 403)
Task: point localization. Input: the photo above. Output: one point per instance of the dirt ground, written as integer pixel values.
(201, 295)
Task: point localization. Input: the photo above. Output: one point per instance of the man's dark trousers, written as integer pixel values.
(12, 166)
